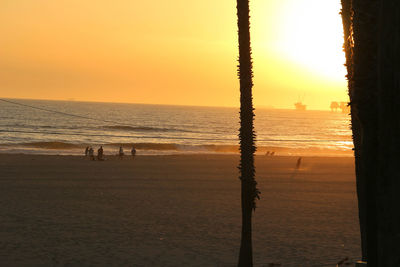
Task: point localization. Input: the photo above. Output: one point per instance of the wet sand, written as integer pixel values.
(173, 211)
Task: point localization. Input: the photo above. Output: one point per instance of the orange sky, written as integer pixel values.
(170, 52)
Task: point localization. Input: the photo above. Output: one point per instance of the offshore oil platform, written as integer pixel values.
(343, 106)
(300, 106)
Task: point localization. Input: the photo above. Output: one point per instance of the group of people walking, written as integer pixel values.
(89, 152)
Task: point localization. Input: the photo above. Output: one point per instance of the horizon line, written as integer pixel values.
(155, 104)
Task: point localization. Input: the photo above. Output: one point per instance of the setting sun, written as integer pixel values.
(312, 36)
(298, 53)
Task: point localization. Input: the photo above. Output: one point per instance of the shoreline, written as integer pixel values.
(112, 152)
(178, 154)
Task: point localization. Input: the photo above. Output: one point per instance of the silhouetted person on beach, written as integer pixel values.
(91, 153)
(121, 152)
(133, 152)
(267, 154)
(298, 163)
(86, 151)
(100, 153)
(297, 168)
(272, 153)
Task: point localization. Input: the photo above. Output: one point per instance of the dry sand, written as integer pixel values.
(173, 211)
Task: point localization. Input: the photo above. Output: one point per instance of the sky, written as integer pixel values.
(170, 52)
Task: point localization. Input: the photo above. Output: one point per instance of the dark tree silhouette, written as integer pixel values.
(361, 53)
(388, 186)
(355, 122)
(373, 62)
(364, 86)
(249, 191)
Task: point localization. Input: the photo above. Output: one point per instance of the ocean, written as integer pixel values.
(67, 127)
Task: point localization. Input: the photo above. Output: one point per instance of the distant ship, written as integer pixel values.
(300, 106)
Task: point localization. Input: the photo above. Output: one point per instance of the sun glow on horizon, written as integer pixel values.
(312, 36)
(298, 51)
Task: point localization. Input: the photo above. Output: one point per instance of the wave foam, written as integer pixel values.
(142, 128)
(162, 148)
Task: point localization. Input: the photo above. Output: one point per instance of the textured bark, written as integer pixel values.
(374, 88)
(364, 104)
(389, 133)
(364, 98)
(249, 190)
(355, 124)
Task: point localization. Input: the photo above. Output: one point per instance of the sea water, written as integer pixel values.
(67, 127)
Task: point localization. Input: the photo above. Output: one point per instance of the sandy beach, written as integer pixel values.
(181, 210)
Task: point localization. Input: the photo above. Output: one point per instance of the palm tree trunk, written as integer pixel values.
(374, 88)
(355, 125)
(364, 101)
(249, 192)
(389, 133)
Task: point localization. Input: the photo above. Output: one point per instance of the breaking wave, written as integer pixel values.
(162, 148)
(139, 146)
(142, 128)
(50, 145)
